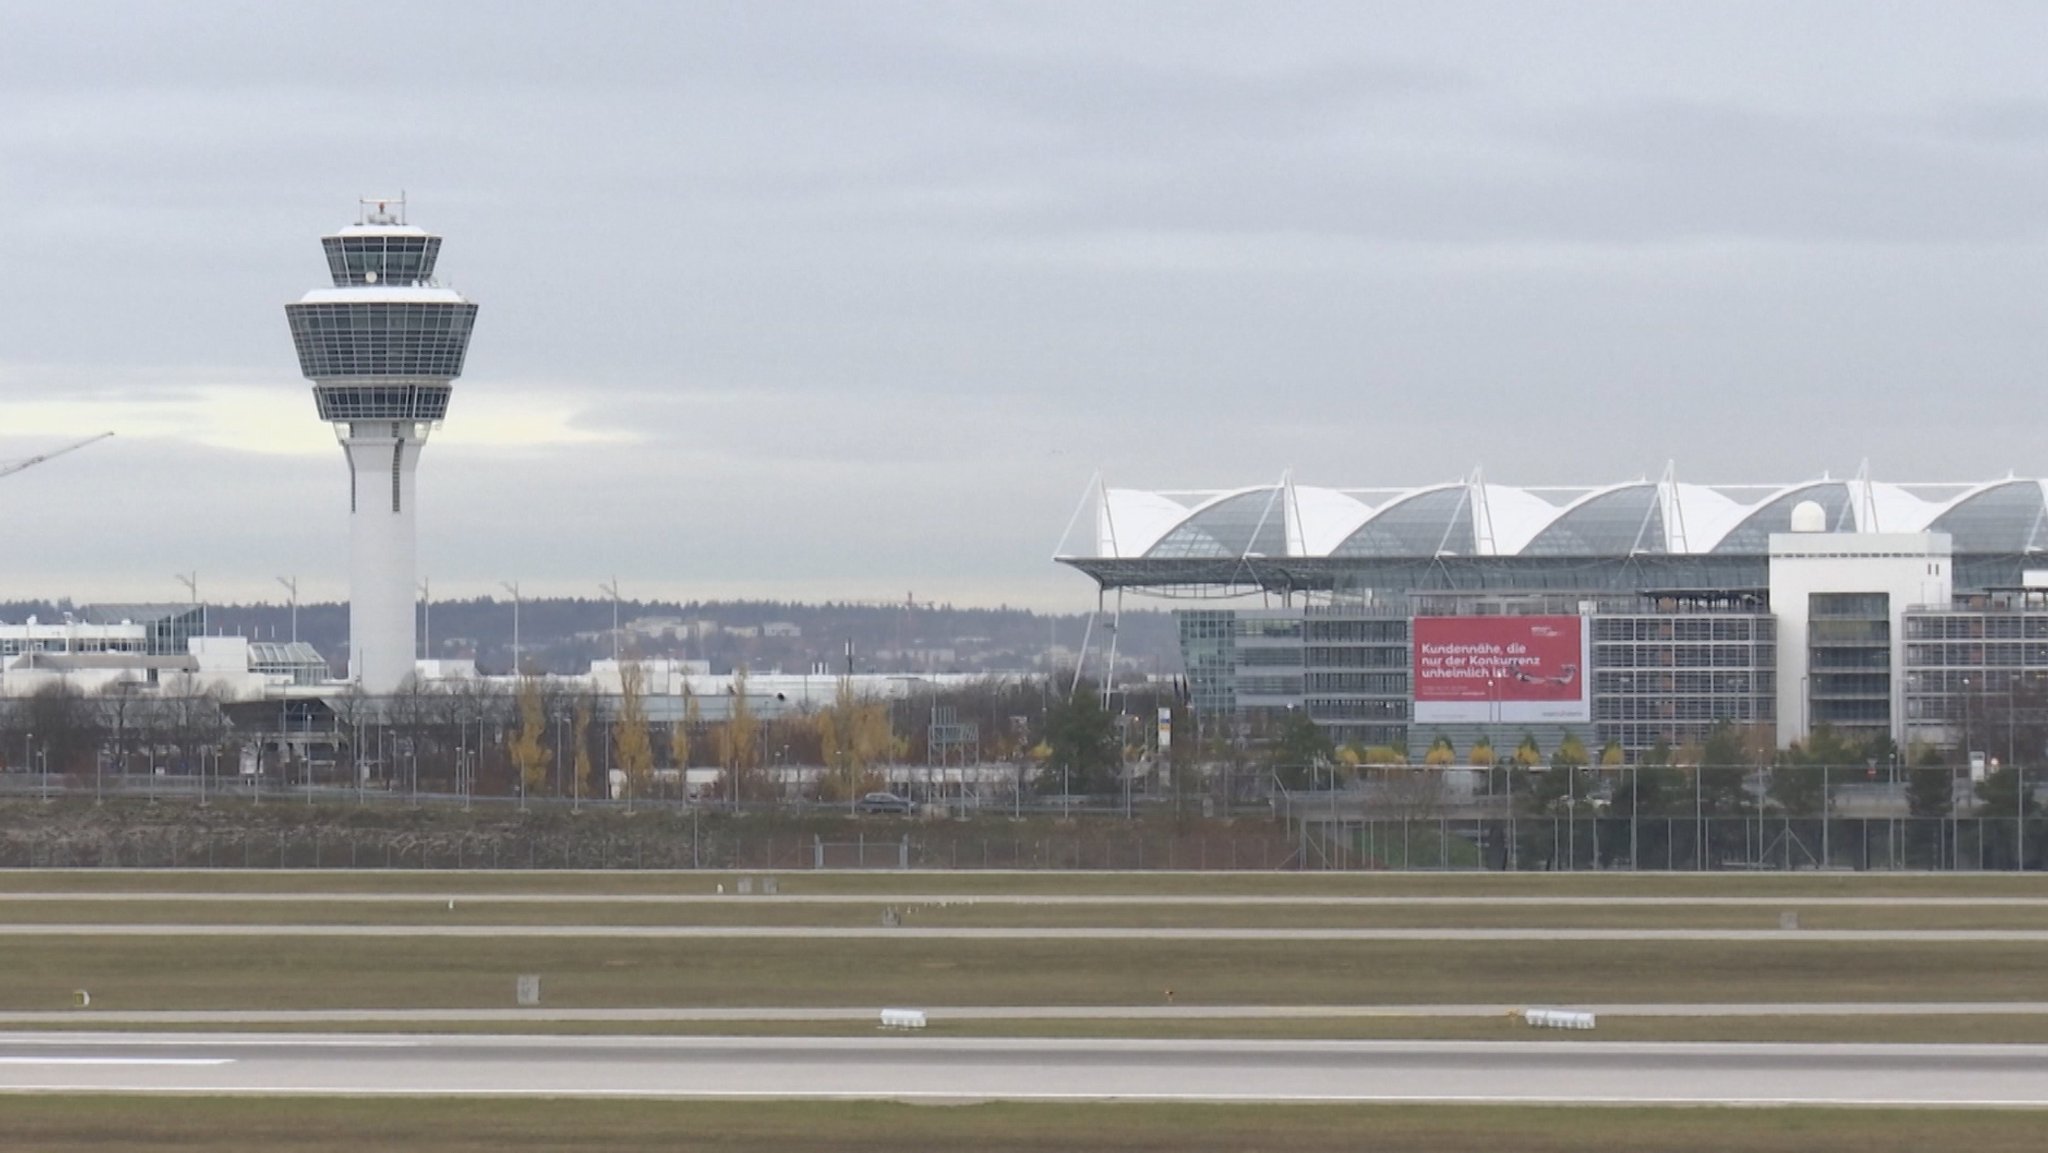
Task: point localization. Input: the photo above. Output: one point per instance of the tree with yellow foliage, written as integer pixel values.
(629, 730)
(580, 733)
(739, 741)
(853, 734)
(679, 734)
(529, 758)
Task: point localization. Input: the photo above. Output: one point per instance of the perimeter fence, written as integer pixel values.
(224, 838)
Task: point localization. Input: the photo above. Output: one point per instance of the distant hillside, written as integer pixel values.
(564, 635)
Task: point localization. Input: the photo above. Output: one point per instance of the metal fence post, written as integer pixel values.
(1827, 803)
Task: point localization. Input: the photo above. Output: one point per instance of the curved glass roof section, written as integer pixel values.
(1326, 518)
(1130, 521)
(1618, 522)
(1752, 534)
(1248, 522)
(1430, 523)
(2003, 518)
(1516, 516)
(2000, 518)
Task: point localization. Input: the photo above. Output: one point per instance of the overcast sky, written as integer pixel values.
(849, 300)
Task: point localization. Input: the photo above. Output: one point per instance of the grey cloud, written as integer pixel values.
(875, 288)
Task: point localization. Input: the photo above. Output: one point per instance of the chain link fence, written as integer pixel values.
(1852, 822)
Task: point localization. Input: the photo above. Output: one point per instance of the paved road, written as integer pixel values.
(922, 1068)
(225, 1018)
(906, 933)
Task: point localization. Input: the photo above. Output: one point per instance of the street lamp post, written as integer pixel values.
(1635, 807)
(611, 589)
(291, 585)
(1955, 817)
(513, 588)
(1492, 723)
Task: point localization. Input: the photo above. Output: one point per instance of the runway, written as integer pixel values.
(916, 1067)
(1105, 933)
(528, 1017)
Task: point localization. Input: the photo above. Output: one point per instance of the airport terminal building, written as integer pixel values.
(1637, 613)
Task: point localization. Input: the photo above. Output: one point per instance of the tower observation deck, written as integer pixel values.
(382, 347)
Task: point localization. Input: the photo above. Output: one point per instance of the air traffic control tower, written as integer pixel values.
(382, 348)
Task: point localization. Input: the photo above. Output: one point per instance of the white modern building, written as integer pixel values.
(150, 648)
(1906, 611)
(1840, 599)
(382, 347)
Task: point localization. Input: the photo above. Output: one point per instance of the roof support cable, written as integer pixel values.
(1109, 670)
(1081, 661)
(1094, 487)
(1443, 544)
(1482, 515)
(1674, 512)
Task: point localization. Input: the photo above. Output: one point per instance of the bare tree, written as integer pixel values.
(351, 713)
(121, 714)
(66, 727)
(188, 720)
(413, 713)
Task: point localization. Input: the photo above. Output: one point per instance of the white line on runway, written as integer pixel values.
(1365, 1098)
(117, 1060)
(937, 1013)
(813, 933)
(187, 1041)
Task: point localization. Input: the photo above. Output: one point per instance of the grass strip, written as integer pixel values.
(101, 1124)
(1955, 1029)
(199, 972)
(1758, 886)
(436, 909)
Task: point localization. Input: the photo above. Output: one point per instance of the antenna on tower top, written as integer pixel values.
(381, 210)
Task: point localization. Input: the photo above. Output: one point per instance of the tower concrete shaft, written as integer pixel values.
(382, 348)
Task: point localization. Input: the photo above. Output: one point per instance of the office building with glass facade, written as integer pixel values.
(1694, 604)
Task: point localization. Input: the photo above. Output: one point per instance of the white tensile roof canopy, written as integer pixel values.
(1475, 517)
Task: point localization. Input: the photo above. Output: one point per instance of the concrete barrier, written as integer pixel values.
(903, 1018)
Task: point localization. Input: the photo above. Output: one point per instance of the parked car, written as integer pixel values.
(883, 803)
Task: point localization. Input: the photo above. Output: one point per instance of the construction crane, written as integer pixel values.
(10, 467)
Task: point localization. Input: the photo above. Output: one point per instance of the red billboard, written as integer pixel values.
(1481, 670)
